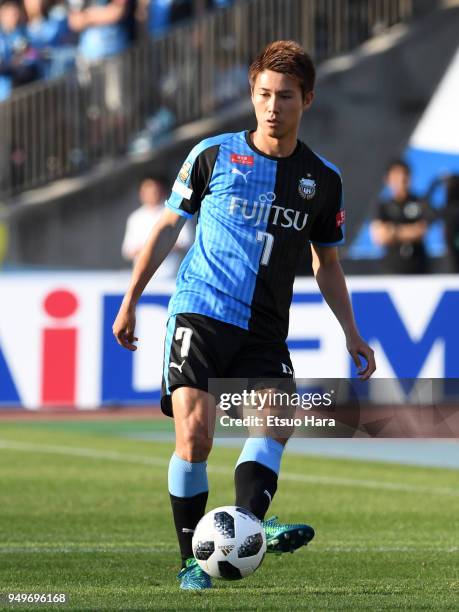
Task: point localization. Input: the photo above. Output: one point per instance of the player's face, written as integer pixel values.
(279, 104)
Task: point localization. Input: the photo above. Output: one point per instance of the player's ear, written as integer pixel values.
(308, 99)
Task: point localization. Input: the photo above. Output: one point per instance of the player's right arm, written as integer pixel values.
(158, 245)
(183, 202)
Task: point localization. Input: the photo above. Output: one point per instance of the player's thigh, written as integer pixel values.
(268, 369)
(262, 359)
(197, 348)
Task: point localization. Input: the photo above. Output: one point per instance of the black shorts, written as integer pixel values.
(198, 348)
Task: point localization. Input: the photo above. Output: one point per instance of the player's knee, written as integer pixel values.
(194, 447)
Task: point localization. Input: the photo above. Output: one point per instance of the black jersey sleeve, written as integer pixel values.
(192, 181)
(328, 227)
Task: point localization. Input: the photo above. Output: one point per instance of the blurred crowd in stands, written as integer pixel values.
(42, 39)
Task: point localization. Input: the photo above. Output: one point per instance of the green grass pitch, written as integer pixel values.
(84, 510)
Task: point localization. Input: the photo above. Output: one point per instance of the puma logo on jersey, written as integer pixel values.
(179, 367)
(240, 173)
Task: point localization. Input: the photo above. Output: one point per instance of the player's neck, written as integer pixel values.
(276, 147)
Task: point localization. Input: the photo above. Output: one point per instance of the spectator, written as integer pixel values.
(401, 223)
(49, 33)
(18, 63)
(451, 217)
(152, 195)
(106, 27)
(159, 16)
(162, 14)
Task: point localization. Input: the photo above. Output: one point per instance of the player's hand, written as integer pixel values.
(357, 348)
(124, 327)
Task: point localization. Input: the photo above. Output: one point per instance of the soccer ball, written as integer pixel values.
(229, 542)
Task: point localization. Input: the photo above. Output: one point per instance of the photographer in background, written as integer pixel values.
(401, 223)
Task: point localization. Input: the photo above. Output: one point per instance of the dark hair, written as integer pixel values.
(286, 57)
(398, 163)
(160, 179)
(16, 3)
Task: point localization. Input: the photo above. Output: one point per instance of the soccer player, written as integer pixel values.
(261, 196)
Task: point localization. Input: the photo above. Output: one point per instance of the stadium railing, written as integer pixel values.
(60, 128)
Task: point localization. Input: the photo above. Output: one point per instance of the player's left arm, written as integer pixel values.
(332, 284)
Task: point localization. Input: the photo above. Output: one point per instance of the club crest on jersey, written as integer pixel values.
(307, 188)
(185, 171)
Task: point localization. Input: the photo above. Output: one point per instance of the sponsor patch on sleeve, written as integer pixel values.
(340, 218)
(244, 160)
(185, 171)
(182, 190)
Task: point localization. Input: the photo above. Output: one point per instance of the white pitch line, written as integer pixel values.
(371, 484)
(93, 453)
(385, 549)
(91, 549)
(76, 451)
(173, 549)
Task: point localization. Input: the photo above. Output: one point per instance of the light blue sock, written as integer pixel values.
(187, 479)
(266, 451)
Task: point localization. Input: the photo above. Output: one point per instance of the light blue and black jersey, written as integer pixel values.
(256, 215)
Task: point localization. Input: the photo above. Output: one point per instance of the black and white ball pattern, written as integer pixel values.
(229, 542)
